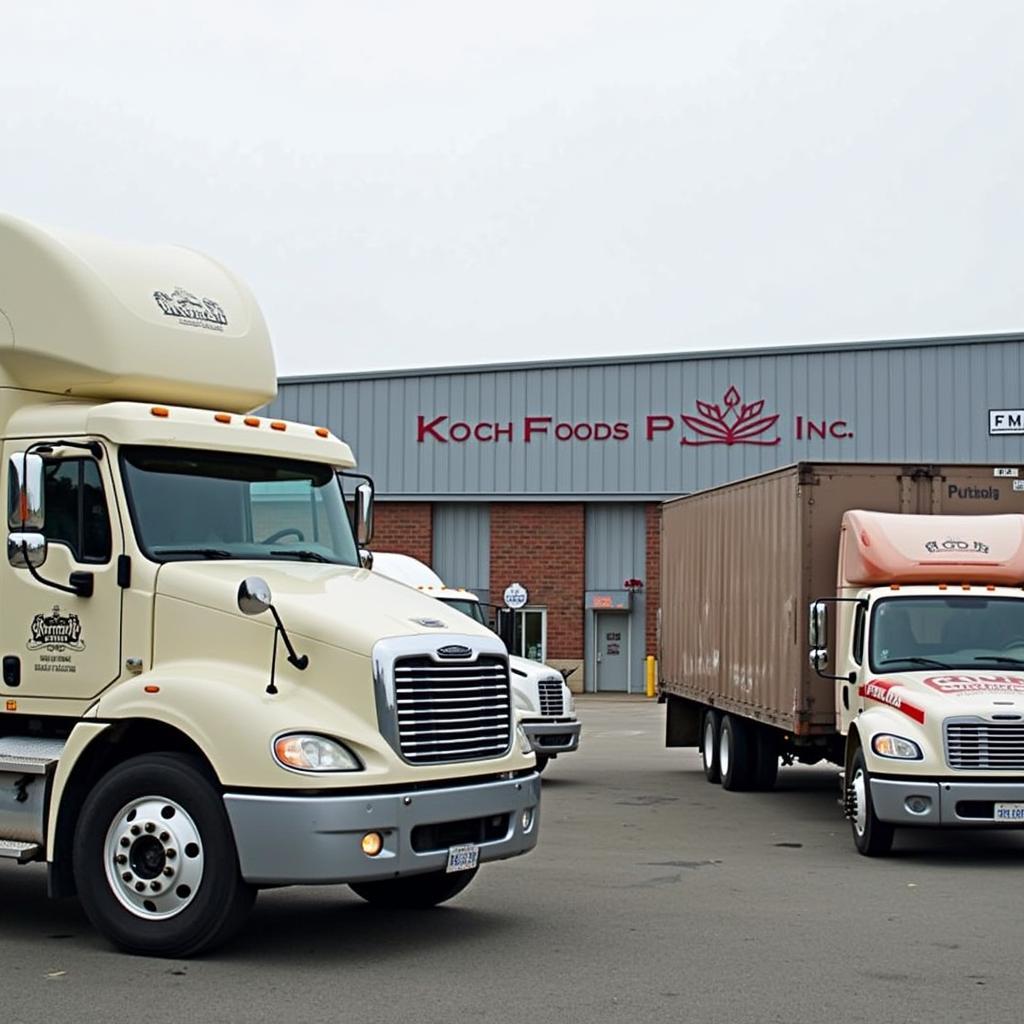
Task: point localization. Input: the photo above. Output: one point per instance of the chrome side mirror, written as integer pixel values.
(817, 631)
(25, 549)
(818, 657)
(366, 558)
(25, 503)
(364, 513)
(254, 596)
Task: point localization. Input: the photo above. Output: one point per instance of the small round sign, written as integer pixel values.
(515, 595)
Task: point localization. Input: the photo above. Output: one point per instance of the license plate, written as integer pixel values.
(1009, 812)
(465, 857)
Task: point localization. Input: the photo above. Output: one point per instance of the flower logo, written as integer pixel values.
(737, 423)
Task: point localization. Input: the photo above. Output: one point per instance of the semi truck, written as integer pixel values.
(543, 702)
(205, 692)
(867, 615)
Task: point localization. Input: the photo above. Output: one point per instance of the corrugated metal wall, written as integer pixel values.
(462, 546)
(616, 550)
(463, 435)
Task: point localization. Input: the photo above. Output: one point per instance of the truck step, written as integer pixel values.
(31, 755)
(10, 849)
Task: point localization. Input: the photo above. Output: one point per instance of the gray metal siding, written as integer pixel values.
(462, 546)
(900, 402)
(616, 550)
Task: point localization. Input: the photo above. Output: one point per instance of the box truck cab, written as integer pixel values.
(929, 670)
(204, 692)
(544, 704)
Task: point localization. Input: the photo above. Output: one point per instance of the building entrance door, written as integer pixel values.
(612, 653)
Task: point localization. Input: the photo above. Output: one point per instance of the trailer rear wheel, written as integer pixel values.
(414, 891)
(155, 860)
(735, 752)
(766, 758)
(872, 837)
(709, 746)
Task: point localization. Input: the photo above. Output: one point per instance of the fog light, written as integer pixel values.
(527, 819)
(918, 804)
(373, 843)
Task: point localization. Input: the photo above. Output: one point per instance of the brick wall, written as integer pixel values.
(406, 527)
(540, 545)
(652, 582)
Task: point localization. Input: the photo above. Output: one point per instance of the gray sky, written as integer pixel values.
(414, 184)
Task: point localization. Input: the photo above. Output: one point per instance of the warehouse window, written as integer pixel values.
(530, 639)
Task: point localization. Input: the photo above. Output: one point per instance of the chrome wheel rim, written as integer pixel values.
(724, 753)
(860, 810)
(153, 857)
(708, 748)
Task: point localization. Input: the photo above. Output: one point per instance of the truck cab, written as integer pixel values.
(204, 691)
(544, 704)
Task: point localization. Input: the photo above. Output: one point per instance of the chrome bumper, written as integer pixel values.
(548, 737)
(949, 803)
(295, 840)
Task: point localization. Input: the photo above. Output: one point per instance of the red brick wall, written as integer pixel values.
(652, 584)
(540, 545)
(406, 527)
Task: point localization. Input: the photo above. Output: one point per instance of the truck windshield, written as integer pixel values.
(470, 608)
(947, 632)
(193, 504)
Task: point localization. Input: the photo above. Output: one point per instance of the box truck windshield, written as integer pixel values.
(193, 503)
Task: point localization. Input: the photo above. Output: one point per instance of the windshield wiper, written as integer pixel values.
(916, 661)
(205, 552)
(303, 555)
(1000, 657)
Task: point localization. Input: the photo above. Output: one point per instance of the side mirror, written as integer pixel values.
(364, 513)
(817, 632)
(25, 504)
(366, 558)
(253, 596)
(26, 549)
(818, 657)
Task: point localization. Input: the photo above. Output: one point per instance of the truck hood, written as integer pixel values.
(340, 605)
(941, 693)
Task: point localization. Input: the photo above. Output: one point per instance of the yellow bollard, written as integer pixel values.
(650, 675)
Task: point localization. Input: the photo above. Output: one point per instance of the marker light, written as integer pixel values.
(306, 752)
(160, 410)
(251, 421)
(322, 432)
(373, 843)
(222, 417)
(885, 745)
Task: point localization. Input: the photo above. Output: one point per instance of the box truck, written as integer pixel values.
(544, 704)
(867, 615)
(204, 691)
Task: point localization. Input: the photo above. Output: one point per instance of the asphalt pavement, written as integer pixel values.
(652, 895)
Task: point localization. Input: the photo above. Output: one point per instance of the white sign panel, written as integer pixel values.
(1006, 421)
(515, 595)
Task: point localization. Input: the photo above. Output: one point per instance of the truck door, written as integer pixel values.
(57, 644)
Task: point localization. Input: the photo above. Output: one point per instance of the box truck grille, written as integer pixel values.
(452, 712)
(551, 702)
(985, 746)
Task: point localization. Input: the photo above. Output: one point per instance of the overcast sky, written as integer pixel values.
(421, 183)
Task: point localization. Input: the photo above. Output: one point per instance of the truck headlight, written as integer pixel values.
(307, 752)
(886, 745)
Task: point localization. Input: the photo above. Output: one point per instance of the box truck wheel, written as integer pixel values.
(765, 768)
(872, 837)
(414, 891)
(735, 752)
(155, 860)
(709, 746)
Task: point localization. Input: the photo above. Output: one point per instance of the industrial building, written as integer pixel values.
(549, 475)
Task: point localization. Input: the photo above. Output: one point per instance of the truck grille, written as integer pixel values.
(551, 697)
(985, 746)
(452, 712)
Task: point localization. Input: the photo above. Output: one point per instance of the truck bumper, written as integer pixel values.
(552, 737)
(316, 840)
(949, 803)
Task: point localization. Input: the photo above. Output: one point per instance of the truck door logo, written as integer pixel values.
(56, 632)
(190, 310)
(737, 423)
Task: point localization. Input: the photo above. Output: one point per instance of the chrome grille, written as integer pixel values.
(985, 746)
(551, 702)
(456, 711)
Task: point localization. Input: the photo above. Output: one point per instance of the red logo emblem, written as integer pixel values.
(737, 423)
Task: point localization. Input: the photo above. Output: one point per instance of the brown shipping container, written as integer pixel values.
(741, 563)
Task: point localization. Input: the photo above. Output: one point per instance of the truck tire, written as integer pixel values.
(765, 770)
(709, 745)
(873, 838)
(414, 891)
(735, 753)
(155, 861)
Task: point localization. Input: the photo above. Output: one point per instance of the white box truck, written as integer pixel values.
(204, 692)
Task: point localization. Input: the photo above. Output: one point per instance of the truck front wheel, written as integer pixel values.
(414, 891)
(155, 861)
(872, 837)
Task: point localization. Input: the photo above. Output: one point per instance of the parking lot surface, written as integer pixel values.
(652, 895)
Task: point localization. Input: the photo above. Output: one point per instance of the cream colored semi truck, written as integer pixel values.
(204, 692)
